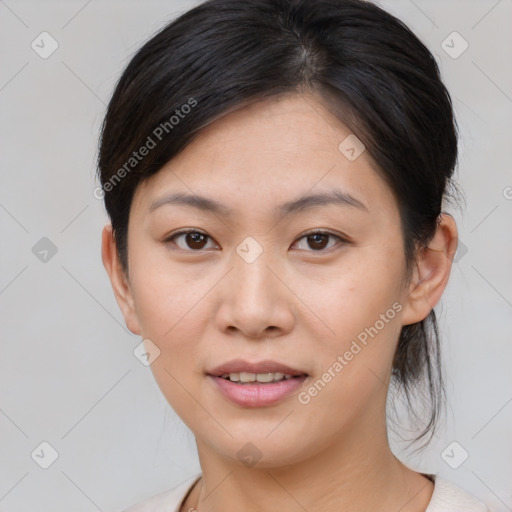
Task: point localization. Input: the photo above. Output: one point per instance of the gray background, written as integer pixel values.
(68, 375)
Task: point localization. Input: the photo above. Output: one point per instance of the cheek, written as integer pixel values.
(167, 295)
(171, 301)
(172, 314)
(354, 364)
(361, 304)
(353, 295)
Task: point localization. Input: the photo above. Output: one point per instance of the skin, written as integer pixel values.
(201, 304)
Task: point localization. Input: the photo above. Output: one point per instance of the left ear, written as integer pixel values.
(433, 265)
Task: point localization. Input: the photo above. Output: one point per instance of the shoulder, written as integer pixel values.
(166, 501)
(448, 497)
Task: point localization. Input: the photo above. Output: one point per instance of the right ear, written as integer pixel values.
(118, 279)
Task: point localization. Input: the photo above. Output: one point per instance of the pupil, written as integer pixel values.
(195, 240)
(317, 239)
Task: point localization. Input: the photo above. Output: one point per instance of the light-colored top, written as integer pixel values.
(446, 497)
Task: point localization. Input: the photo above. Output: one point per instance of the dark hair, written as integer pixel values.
(370, 69)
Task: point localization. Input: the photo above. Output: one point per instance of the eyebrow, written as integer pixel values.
(333, 197)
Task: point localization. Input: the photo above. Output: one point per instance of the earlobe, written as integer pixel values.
(118, 279)
(431, 271)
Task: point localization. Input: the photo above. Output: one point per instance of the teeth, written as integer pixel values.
(269, 377)
(246, 377)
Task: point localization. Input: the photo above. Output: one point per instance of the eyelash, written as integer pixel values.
(318, 232)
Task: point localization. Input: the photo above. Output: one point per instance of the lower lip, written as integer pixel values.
(257, 394)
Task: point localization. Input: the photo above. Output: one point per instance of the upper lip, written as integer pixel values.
(239, 365)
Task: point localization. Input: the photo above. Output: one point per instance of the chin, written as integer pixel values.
(262, 450)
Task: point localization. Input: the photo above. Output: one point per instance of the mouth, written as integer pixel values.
(258, 378)
(256, 384)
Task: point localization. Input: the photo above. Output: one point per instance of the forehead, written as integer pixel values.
(292, 126)
(266, 153)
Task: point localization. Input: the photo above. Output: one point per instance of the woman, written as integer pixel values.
(274, 172)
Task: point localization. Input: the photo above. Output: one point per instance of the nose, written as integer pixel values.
(254, 299)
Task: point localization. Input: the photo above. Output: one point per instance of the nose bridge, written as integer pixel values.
(255, 280)
(255, 299)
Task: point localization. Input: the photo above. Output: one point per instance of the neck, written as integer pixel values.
(359, 473)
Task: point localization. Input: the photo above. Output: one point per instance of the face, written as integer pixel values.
(313, 287)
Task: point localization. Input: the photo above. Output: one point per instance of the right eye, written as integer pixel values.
(191, 240)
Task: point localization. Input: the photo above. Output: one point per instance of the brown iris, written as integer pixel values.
(196, 240)
(319, 241)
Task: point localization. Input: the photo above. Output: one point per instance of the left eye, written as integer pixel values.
(196, 240)
(319, 240)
